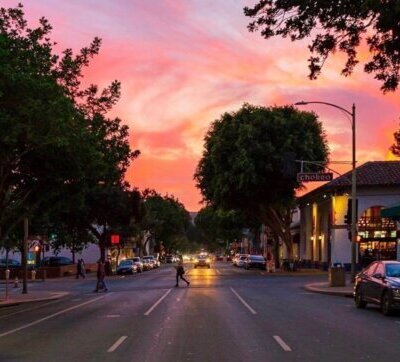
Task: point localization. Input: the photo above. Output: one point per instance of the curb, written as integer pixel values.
(13, 302)
(315, 289)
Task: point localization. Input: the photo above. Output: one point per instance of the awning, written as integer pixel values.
(392, 212)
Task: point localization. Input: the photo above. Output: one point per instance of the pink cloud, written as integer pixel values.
(184, 63)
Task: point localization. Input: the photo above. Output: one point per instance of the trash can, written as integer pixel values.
(337, 276)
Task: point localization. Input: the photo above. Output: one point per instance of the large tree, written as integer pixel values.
(337, 25)
(59, 140)
(244, 163)
(219, 226)
(165, 220)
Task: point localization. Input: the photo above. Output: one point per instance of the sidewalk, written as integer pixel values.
(297, 273)
(325, 288)
(16, 297)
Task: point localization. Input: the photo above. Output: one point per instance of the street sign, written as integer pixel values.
(314, 176)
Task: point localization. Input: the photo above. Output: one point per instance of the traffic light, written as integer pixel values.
(289, 165)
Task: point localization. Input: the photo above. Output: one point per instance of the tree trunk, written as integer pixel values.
(73, 251)
(275, 251)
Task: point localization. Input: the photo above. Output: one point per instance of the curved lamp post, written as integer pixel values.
(351, 113)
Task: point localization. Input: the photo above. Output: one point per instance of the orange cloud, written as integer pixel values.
(184, 63)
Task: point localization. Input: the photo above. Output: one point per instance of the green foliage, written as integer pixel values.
(166, 219)
(243, 163)
(218, 226)
(337, 25)
(58, 141)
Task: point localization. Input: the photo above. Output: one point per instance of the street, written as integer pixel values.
(227, 314)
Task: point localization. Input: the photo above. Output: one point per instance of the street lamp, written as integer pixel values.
(353, 180)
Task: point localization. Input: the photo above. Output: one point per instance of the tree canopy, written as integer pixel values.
(337, 26)
(166, 219)
(59, 144)
(245, 157)
(218, 226)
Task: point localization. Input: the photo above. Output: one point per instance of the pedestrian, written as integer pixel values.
(101, 284)
(80, 269)
(179, 274)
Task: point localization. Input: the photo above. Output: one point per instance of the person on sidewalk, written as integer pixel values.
(80, 269)
(101, 273)
(179, 274)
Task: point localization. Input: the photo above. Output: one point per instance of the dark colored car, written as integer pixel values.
(202, 261)
(56, 261)
(126, 267)
(379, 284)
(12, 263)
(169, 258)
(255, 261)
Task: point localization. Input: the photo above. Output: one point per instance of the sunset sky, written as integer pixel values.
(183, 63)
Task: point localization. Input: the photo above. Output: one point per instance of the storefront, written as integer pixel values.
(324, 213)
(377, 236)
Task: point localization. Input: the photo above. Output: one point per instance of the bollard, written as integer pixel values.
(16, 282)
(33, 275)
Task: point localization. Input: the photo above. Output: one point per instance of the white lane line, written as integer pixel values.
(217, 271)
(117, 344)
(284, 346)
(51, 316)
(243, 301)
(158, 302)
(113, 315)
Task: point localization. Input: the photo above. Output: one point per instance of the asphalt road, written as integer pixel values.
(227, 314)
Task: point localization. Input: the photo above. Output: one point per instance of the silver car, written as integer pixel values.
(138, 262)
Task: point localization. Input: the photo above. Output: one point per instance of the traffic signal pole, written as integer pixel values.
(353, 198)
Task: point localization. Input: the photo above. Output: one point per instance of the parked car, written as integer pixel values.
(127, 267)
(379, 284)
(239, 259)
(169, 258)
(254, 261)
(56, 261)
(151, 260)
(138, 262)
(12, 263)
(219, 258)
(202, 260)
(146, 264)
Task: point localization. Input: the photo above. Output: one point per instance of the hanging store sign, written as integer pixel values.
(314, 176)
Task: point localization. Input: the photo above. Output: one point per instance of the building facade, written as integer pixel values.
(324, 233)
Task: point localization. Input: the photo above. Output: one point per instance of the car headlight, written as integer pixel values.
(208, 260)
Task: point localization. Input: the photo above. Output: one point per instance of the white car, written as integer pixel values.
(239, 259)
(152, 260)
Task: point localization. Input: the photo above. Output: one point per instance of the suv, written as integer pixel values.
(202, 260)
(379, 284)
